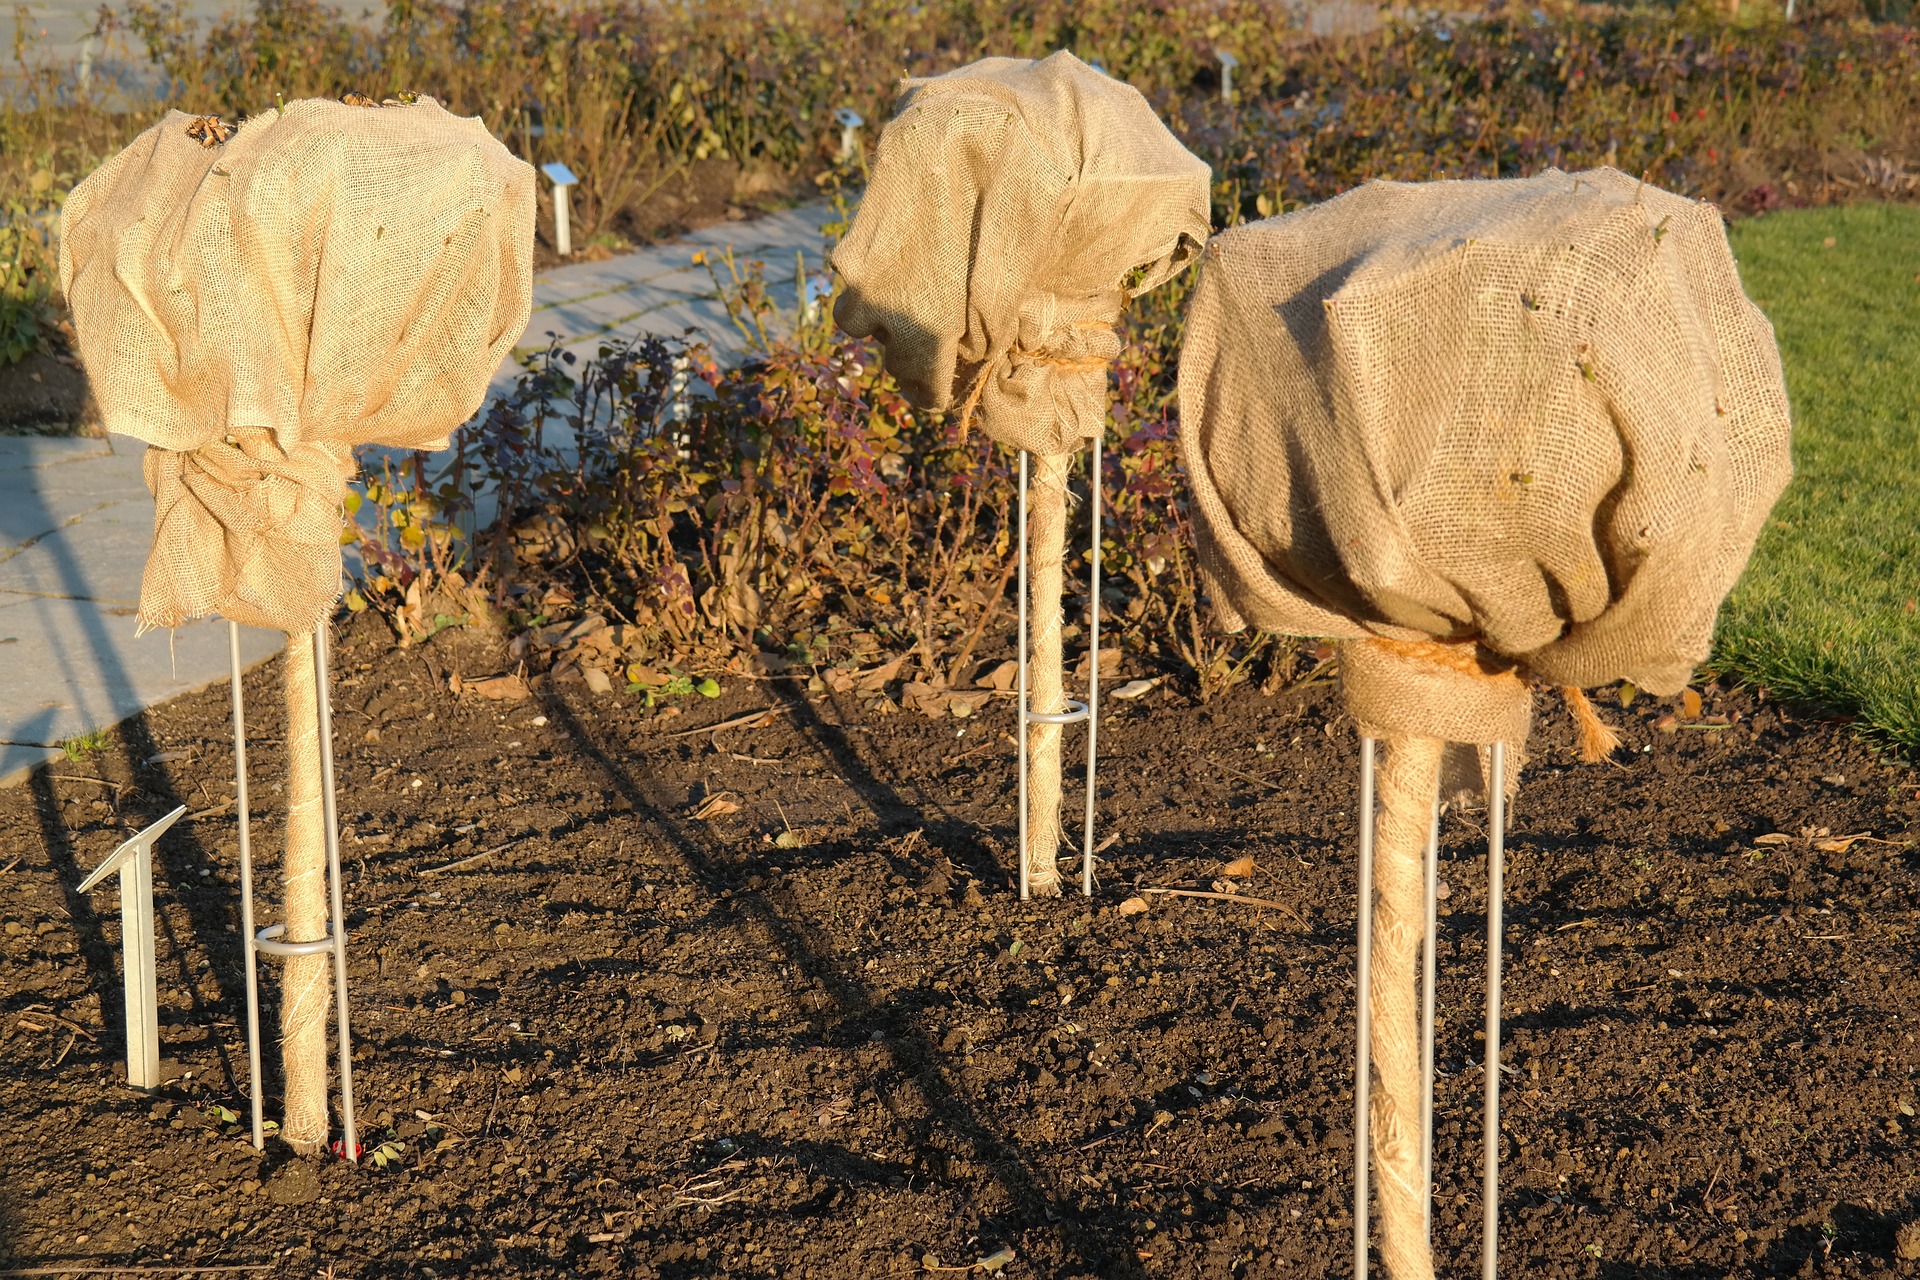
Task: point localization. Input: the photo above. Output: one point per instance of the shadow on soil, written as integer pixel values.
(1043, 1206)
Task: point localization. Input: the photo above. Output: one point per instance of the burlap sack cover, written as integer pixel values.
(331, 276)
(1536, 415)
(1013, 208)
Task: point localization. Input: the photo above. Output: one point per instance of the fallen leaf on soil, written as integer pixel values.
(1109, 665)
(1138, 688)
(597, 680)
(924, 698)
(1242, 867)
(715, 805)
(1133, 906)
(1690, 704)
(877, 678)
(1001, 677)
(586, 626)
(1840, 844)
(963, 705)
(1777, 837)
(507, 688)
(637, 674)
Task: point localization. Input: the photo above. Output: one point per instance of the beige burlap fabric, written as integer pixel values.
(330, 276)
(1538, 414)
(1014, 207)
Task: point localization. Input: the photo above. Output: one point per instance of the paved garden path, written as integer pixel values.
(76, 518)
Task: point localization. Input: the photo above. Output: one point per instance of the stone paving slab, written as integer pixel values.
(76, 519)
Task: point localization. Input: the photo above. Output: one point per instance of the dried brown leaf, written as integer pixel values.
(507, 688)
(714, 806)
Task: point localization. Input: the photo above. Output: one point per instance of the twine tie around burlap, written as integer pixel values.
(330, 276)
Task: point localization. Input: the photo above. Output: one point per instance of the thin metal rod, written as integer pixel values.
(246, 889)
(1093, 680)
(1022, 729)
(323, 701)
(1363, 978)
(1496, 876)
(1429, 967)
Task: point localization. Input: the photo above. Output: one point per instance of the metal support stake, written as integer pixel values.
(1093, 677)
(323, 692)
(1429, 967)
(1020, 730)
(1496, 875)
(139, 978)
(246, 890)
(1363, 978)
(1076, 710)
(269, 941)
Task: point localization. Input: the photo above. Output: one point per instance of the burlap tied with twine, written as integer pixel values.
(330, 276)
(1537, 416)
(1015, 206)
(1484, 433)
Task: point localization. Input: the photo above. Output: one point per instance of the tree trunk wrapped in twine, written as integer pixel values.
(306, 981)
(1046, 576)
(1418, 699)
(1408, 778)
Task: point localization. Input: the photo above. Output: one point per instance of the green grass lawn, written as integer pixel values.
(1826, 612)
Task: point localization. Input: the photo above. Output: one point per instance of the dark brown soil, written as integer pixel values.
(633, 1042)
(45, 393)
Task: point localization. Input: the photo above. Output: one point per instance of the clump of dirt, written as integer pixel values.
(639, 996)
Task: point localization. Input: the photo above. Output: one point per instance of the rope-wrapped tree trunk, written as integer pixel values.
(1046, 579)
(305, 996)
(1409, 779)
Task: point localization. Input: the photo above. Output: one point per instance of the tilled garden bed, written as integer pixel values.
(636, 1000)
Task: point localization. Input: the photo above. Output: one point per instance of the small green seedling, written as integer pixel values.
(87, 744)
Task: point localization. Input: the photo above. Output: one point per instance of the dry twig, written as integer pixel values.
(466, 861)
(1230, 897)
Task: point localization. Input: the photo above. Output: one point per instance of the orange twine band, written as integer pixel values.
(1083, 364)
(1598, 740)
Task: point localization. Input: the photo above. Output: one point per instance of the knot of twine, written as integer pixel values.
(246, 529)
(1456, 692)
(1086, 348)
